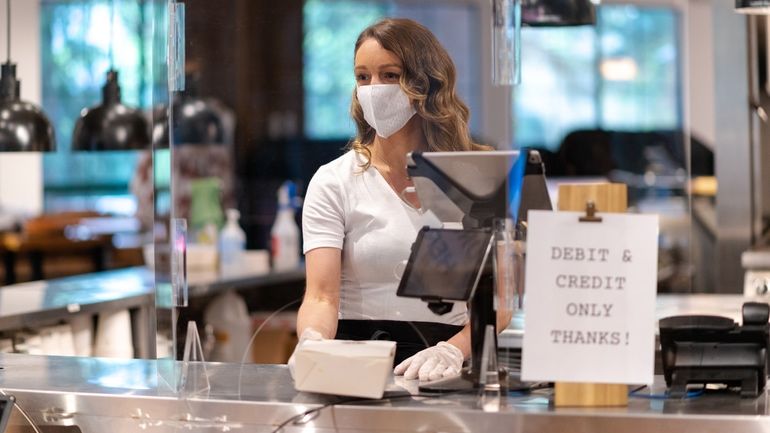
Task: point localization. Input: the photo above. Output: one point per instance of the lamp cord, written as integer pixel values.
(8, 29)
(112, 33)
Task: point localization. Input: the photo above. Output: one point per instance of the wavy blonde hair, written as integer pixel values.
(428, 79)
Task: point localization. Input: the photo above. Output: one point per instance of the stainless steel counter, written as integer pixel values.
(208, 283)
(100, 395)
(45, 302)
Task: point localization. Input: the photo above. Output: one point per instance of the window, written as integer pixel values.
(76, 54)
(639, 67)
(329, 38)
(622, 74)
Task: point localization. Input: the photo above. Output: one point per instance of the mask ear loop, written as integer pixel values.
(398, 270)
(410, 190)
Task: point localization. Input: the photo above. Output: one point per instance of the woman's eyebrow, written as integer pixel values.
(387, 65)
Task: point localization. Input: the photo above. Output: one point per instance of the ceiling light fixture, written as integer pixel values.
(754, 7)
(557, 13)
(23, 126)
(111, 125)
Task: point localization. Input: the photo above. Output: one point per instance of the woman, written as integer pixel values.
(359, 225)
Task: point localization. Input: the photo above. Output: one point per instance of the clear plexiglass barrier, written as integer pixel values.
(317, 172)
(286, 172)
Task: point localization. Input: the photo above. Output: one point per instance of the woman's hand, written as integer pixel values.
(441, 360)
(307, 334)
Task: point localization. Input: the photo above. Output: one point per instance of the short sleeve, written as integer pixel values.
(323, 215)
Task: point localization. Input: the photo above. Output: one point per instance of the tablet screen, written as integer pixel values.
(444, 264)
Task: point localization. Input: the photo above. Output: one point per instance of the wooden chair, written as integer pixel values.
(52, 235)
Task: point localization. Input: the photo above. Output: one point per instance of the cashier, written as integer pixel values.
(358, 220)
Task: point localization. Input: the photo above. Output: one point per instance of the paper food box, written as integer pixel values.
(344, 367)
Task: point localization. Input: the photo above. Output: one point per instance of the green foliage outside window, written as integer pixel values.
(331, 29)
(79, 45)
(646, 38)
(622, 74)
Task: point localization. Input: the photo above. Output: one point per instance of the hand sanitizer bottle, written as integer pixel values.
(284, 236)
(232, 243)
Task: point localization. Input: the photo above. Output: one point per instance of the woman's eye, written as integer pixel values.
(392, 76)
(362, 77)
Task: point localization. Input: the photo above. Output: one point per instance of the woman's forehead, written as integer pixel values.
(371, 53)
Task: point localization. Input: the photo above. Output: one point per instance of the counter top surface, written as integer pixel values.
(101, 394)
(87, 390)
(37, 303)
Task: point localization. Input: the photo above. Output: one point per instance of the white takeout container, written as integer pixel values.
(344, 367)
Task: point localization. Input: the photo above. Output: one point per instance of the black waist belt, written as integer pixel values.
(410, 337)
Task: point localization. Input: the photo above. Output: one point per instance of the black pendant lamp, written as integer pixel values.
(196, 120)
(760, 7)
(23, 126)
(557, 13)
(111, 125)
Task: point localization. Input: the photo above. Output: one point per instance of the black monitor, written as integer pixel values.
(445, 264)
(478, 187)
(468, 187)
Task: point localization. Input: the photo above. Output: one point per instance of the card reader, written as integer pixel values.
(698, 349)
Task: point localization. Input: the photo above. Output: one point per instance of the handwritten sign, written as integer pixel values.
(590, 298)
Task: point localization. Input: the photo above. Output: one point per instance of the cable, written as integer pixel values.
(419, 334)
(254, 335)
(311, 414)
(305, 416)
(634, 393)
(16, 403)
(409, 322)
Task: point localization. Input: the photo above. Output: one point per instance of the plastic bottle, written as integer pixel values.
(284, 236)
(228, 315)
(232, 243)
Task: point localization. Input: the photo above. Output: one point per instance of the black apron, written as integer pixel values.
(410, 337)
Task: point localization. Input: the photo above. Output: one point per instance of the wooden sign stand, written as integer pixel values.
(601, 197)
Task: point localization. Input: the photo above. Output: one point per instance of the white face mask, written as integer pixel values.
(386, 107)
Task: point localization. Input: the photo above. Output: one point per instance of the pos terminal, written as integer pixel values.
(715, 350)
(475, 188)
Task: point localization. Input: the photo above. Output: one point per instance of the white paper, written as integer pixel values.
(590, 298)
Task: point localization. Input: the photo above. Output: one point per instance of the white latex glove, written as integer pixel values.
(441, 360)
(307, 334)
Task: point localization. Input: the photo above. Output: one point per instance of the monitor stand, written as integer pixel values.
(480, 212)
(482, 313)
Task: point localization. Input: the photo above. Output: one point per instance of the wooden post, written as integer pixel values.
(607, 197)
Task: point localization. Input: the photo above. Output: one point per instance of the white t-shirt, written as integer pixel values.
(357, 211)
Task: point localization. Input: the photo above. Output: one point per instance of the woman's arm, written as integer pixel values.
(462, 340)
(320, 306)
